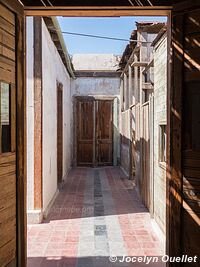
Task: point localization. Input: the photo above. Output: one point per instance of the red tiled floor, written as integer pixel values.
(55, 242)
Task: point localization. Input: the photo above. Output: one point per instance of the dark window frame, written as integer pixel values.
(162, 143)
(9, 145)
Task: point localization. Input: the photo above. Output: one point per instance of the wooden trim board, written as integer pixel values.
(98, 11)
(37, 112)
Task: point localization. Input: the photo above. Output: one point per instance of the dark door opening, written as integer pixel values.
(59, 132)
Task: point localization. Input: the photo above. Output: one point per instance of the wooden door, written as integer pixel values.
(191, 134)
(85, 131)
(184, 191)
(94, 131)
(59, 132)
(12, 223)
(104, 132)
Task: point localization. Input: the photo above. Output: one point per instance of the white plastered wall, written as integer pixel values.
(53, 71)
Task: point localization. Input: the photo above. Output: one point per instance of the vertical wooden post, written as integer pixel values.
(37, 112)
(136, 80)
(174, 142)
(95, 108)
(130, 86)
(21, 163)
(122, 94)
(125, 91)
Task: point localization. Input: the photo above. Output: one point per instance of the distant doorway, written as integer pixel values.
(94, 131)
(59, 132)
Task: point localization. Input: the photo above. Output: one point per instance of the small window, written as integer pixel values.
(162, 143)
(5, 121)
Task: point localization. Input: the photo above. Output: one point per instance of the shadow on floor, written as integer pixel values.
(139, 261)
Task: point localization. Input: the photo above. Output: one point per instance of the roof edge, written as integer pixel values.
(64, 48)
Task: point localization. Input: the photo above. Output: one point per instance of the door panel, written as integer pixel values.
(85, 134)
(104, 132)
(184, 191)
(191, 140)
(7, 138)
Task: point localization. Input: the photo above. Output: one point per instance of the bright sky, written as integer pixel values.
(113, 27)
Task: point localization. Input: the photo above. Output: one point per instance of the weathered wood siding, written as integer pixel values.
(126, 141)
(183, 227)
(191, 134)
(8, 160)
(160, 116)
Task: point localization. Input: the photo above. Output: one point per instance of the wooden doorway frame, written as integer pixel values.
(21, 104)
(124, 11)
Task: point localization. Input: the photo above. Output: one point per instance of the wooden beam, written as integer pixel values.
(121, 94)
(147, 86)
(98, 74)
(185, 6)
(21, 148)
(139, 64)
(174, 142)
(148, 66)
(125, 92)
(130, 86)
(136, 80)
(37, 112)
(97, 11)
(14, 6)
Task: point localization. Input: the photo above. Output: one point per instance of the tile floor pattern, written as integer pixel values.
(97, 214)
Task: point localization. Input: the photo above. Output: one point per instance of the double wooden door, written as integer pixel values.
(94, 131)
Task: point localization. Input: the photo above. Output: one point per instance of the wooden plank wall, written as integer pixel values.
(8, 160)
(191, 133)
(183, 210)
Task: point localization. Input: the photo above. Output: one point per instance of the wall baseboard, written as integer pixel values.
(46, 211)
(159, 232)
(124, 171)
(34, 216)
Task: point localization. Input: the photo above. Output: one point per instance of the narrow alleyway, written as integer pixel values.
(97, 214)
